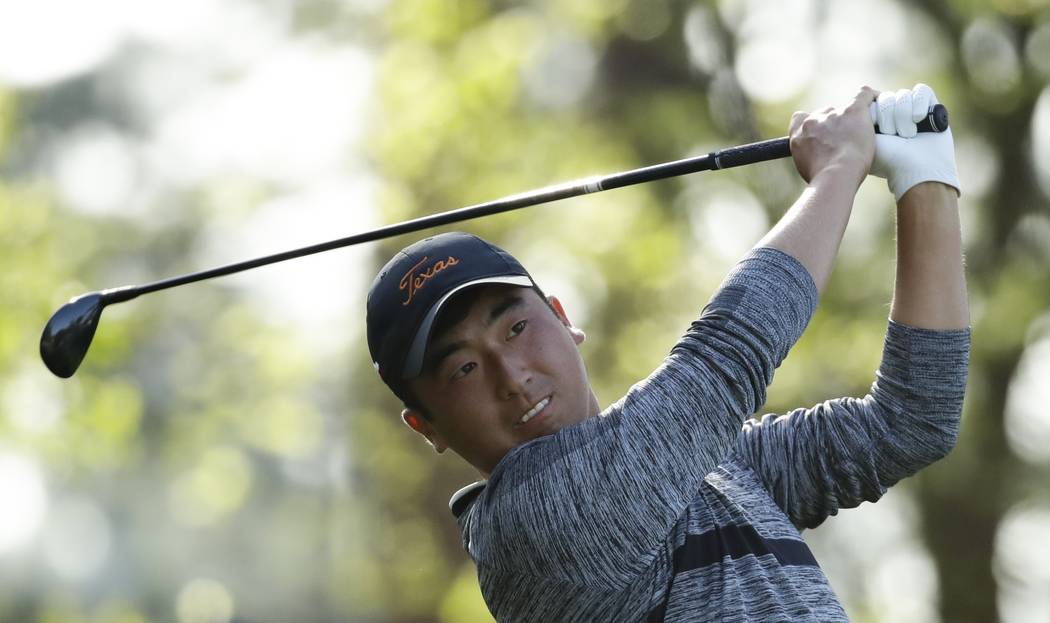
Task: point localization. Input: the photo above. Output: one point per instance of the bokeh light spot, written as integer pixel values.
(644, 20)
(978, 164)
(96, 170)
(1041, 140)
(204, 600)
(1022, 564)
(990, 56)
(1027, 416)
(562, 71)
(23, 497)
(1037, 49)
(78, 538)
(47, 40)
(30, 401)
(703, 40)
(776, 56)
(215, 487)
(727, 219)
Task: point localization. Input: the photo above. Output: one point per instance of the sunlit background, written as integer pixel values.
(226, 453)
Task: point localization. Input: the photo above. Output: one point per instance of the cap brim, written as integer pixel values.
(418, 348)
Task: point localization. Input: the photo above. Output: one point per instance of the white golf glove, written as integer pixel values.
(903, 156)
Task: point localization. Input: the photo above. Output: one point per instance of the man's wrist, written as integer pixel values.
(929, 193)
(839, 177)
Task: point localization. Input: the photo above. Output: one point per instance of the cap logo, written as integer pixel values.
(416, 278)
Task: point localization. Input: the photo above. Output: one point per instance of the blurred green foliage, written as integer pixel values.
(238, 472)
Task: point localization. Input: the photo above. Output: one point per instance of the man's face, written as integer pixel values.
(508, 372)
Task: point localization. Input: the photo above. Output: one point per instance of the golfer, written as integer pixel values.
(671, 504)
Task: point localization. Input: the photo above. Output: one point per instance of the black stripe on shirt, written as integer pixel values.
(711, 547)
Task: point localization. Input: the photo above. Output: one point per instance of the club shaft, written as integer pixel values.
(936, 121)
(722, 159)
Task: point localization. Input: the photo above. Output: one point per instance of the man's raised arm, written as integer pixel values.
(833, 150)
(842, 452)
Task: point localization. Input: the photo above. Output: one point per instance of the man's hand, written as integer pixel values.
(833, 150)
(903, 157)
(838, 140)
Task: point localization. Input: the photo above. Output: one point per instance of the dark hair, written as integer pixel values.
(452, 313)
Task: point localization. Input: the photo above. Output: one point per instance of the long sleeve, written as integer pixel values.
(846, 451)
(591, 505)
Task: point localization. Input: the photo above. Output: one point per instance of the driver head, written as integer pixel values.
(68, 334)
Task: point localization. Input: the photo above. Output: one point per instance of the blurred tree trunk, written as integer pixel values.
(963, 500)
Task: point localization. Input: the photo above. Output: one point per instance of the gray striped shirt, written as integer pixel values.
(668, 507)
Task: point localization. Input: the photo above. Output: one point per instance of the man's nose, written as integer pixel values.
(514, 375)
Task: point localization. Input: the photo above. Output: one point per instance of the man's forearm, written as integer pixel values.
(812, 229)
(930, 290)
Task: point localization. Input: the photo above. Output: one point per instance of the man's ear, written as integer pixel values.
(415, 420)
(578, 335)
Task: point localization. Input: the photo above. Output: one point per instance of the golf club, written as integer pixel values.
(67, 335)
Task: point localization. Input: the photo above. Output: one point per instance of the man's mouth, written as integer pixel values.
(531, 413)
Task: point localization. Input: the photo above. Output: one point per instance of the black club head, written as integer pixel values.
(68, 334)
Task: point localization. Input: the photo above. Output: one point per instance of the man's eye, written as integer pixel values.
(464, 370)
(518, 327)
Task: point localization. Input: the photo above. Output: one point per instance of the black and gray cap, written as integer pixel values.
(411, 289)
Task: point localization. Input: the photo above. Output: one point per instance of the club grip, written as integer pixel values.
(750, 154)
(936, 119)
